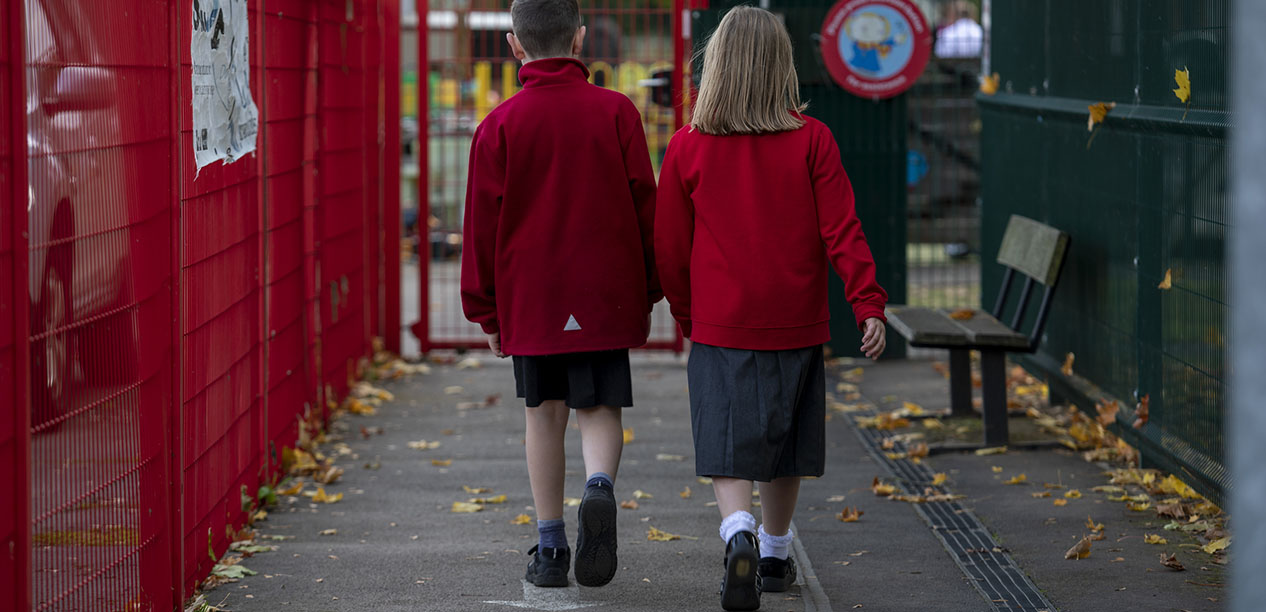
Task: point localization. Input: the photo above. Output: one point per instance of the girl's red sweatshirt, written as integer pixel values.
(744, 229)
(560, 205)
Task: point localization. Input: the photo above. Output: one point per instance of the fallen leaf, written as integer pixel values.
(1067, 368)
(939, 479)
(1081, 550)
(1216, 545)
(1139, 507)
(630, 504)
(571, 501)
(1098, 111)
(469, 363)
(854, 375)
(888, 444)
(1117, 560)
(442, 462)
(1108, 489)
(640, 494)
(881, 489)
(965, 314)
(1152, 538)
(423, 445)
(521, 519)
(476, 490)
(1041, 494)
(1017, 479)
(989, 84)
(328, 532)
(1168, 282)
(628, 435)
(656, 535)
(466, 507)
(834, 499)
(704, 480)
(1175, 510)
(918, 451)
(329, 476)
(1183, 79)
(453, 390)
(895, 456)
(322, 498)
(667, 457)
(932, 423)
(1140, 412)
(1073, 494)
(500, 499)
(997, 469)
(1173, 486)
(849, 515)
(293, 489)
(996, 450)
(912, 409)
(1093, 526)
(685, 493)
(1060, 502)
(1172, 562)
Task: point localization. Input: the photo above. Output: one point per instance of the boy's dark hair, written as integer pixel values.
(545, 28)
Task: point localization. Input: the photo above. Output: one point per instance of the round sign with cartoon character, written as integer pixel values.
(875, 48)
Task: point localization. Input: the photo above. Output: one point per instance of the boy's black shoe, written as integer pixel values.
(740, 590)
(548, 567)
(595, 543)
(776, 575)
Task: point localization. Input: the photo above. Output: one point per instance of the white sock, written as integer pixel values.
(736, 522)
(774, 546)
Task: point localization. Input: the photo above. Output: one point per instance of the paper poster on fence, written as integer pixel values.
(225, 119)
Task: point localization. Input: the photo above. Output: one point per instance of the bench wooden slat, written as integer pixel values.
(927, 327)
(1033, 248)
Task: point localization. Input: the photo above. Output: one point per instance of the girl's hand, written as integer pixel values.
(494, 343)
(874, 337)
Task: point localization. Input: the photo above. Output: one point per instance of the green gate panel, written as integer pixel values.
(1145, 193)
(872, 140)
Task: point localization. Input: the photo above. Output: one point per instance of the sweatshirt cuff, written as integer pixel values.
(491, 327)
(868, 311)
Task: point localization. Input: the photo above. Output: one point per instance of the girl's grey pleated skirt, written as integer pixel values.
(758, 415)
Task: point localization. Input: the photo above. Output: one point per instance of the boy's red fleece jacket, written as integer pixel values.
(560, 205)
(744, 229)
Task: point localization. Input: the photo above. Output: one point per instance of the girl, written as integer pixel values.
(752, 203)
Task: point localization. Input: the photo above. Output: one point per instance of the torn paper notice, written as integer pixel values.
(225, 119)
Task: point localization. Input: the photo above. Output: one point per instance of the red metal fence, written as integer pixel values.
(167, 328)
(466, 69)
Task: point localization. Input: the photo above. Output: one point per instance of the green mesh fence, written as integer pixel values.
(1142, 194)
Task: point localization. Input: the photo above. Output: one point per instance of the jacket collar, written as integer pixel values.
(553, 71)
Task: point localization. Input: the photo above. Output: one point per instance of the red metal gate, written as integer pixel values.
(164, 329)
(466, 69)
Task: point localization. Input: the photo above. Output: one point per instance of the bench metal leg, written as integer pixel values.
(960, 382)
(993, 371)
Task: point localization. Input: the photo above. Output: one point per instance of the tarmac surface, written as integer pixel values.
(398, 545)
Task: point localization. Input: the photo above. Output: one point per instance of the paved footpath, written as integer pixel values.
(398, 546)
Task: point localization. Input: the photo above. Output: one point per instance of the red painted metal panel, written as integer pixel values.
(633, 48)
(390, 330)
(15, 450)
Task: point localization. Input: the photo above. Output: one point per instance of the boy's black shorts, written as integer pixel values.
(581, 380)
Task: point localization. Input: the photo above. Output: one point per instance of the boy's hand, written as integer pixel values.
(874, 337)
(494, 343)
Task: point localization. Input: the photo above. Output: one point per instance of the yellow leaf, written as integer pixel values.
(1173, 486)
(640, 494)
(912, 409)
(656, 535)
(1092, 525)
(1152, 538)
(293, 489)
(500, 499)
(1108, 489)
(423, 445)
(476, 490)
(996, 450)
(1081, 550)
(1139, 507)
(521, 519)
(1183, 79)
(895, 456)
(997, 469)
(466, 507)
(685, 493)
(1073, 494)
(442, 462)
(1067, 368)
(630, 504)
(918, 451)
(571, 501)
(1168, 282)
(1060, 502)
(854, 375)
(628, 435)
(668, 457)
(932, 424)
(1216, 545)
(849, 515)
(329, 532)
(1098, 111)
(989, 84)
(1041, 494)
(1017, 479)
(881, 489)
(938, 479)
(322, 498)
(704, 480)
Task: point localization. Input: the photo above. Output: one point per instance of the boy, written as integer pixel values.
(558, 269)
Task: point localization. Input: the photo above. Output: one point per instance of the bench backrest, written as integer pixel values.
(1037, 251)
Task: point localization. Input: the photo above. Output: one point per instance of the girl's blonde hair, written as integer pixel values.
(749, 83)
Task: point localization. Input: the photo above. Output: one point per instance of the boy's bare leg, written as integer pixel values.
(778, 504)
(546, 428)
(601, 439)
(733, 495)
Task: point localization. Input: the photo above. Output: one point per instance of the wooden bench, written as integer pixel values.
(1028, 247)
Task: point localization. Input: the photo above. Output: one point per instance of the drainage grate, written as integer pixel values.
(992, 571)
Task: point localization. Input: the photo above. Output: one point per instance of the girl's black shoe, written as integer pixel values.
(548, 567)
(740, 590)
(776, 575)
(596, 542)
